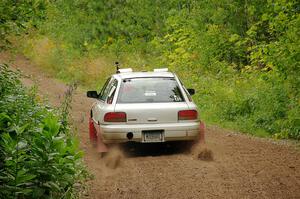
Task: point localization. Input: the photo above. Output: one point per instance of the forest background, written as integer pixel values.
(241, 56)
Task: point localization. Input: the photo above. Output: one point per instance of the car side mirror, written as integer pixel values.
(92, 94)
(191, 91)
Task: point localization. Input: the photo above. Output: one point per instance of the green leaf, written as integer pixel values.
(21, 145)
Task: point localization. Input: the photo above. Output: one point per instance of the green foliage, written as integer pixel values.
(18, 16)
(39, 158)
(241, 56)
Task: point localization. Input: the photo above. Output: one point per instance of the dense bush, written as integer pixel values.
(39, 157)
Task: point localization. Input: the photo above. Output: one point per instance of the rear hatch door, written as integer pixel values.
(150, 100)
(145, 113)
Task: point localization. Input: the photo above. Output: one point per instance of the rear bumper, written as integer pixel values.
(171, 132)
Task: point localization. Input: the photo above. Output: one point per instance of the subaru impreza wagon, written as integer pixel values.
(147, 107)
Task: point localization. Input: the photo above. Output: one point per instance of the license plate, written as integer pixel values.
(153, 136)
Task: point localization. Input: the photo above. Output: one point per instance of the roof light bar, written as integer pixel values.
(160, 70)
(125, 70)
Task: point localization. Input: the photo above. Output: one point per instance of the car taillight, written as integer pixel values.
(115, 117)
(187, 115)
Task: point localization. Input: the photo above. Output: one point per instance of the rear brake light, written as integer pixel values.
(187, 115)
(115, 117)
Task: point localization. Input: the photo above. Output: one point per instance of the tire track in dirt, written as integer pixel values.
(243, 166)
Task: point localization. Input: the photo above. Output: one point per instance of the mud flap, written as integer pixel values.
(101, 147)
(202, 133)
(95, 139)
(92, 132)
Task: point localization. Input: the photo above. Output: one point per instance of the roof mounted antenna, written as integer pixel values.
(117, 64)
(122, 70)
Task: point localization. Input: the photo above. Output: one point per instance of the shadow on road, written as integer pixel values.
(134, 149)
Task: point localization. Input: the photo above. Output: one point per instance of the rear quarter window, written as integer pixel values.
(149, 90)
(107, 89)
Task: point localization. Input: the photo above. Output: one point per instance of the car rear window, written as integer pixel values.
(149, 90)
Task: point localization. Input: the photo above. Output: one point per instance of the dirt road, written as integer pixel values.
(243, 166)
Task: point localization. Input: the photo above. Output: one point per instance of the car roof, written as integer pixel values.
(128, 75)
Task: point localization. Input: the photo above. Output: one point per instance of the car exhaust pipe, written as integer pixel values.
(129, 135)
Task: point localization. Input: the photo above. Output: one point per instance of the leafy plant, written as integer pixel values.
(39, 156)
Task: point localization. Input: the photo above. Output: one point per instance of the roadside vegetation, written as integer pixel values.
(39, 155)
(242, 57)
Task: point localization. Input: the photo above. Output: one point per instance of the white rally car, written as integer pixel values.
(145, 107)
